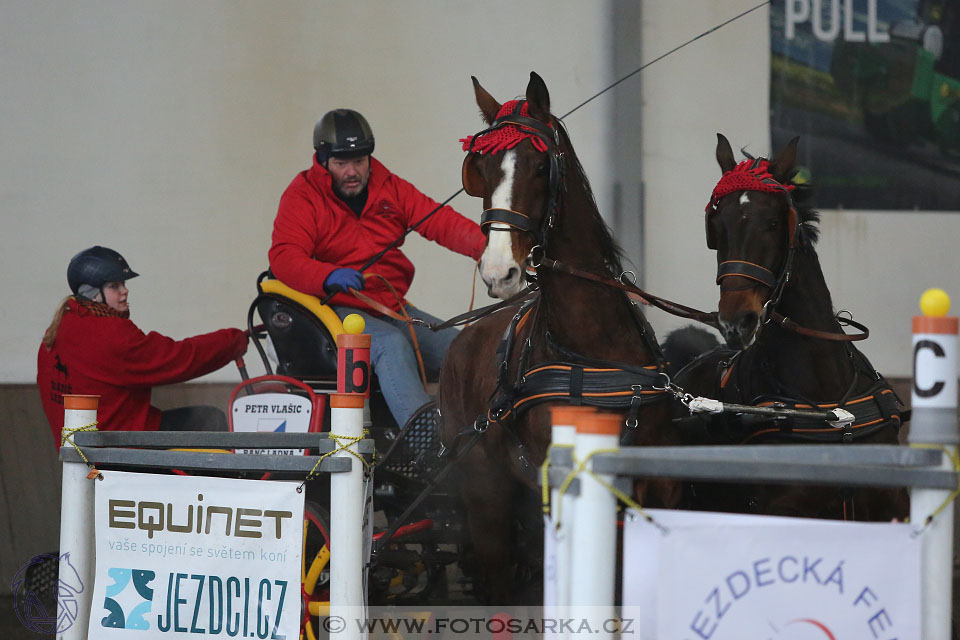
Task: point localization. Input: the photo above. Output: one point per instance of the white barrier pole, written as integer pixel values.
(594, 557)
(934, 421)
(347, 601)
(77, 541)
(558, 528)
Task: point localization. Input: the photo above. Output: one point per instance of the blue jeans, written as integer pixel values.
(394, 361)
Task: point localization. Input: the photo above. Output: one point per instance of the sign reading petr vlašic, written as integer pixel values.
(183, 557)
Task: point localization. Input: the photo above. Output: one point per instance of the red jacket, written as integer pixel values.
(112, 358)
(315, 232)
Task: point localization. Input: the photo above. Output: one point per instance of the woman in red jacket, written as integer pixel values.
(92, 347)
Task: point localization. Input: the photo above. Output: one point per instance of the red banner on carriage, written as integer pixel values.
(873, 87)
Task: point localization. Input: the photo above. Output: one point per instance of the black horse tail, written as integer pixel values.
(683, 345)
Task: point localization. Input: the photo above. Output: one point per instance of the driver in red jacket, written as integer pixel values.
(93, 348)
(340, 213)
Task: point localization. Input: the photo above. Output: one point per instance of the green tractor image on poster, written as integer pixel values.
(908, 88)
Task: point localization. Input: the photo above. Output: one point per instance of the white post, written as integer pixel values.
(347, 601)
(934, 421)
(558, 528)
(77, 541)
(594, 557)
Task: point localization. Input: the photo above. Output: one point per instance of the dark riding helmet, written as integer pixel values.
(342, 133)
(96, 267)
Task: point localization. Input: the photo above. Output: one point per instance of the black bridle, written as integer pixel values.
(758, 273)
(776, 283)
(516, 220)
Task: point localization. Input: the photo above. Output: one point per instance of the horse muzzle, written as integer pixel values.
(499, 267)
(502, 281)
(740, 331)
(739, 316)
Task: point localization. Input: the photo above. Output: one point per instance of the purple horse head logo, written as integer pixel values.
(45, 593)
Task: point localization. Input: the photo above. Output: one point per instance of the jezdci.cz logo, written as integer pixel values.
(225, 600)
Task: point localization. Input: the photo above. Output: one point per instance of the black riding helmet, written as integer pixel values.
(342, 133)
(96, 267)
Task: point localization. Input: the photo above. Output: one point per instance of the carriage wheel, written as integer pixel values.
(314, 571)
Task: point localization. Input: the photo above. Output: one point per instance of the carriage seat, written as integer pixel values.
(303, 332)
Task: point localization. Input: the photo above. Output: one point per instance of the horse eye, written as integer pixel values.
(543, 168)
(773, 224)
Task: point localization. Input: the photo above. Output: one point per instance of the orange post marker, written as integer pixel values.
(353, 357)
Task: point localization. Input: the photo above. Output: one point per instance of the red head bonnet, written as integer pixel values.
(749, 175)
(505, 137)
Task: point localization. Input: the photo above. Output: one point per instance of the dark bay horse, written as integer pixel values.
(785, 344)
(576, 340)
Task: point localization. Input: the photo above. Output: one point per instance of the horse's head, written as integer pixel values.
(752, 223)
(514, 165)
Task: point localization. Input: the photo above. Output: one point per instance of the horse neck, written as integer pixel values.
(819, 369)
(587, 317)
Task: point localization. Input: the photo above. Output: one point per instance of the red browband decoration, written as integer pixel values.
(506, 137)
(749, 175)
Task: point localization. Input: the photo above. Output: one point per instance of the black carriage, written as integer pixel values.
(418, 537)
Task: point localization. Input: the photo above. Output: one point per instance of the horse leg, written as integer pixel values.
(488, 519)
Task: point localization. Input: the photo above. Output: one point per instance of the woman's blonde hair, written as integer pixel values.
(51, 334)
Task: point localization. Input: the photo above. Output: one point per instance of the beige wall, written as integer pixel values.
(168, 130)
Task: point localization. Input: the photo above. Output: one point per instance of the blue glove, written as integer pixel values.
(342, 279)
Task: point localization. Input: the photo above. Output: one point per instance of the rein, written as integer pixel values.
(790, 325)
(463, 318)
(674, 308)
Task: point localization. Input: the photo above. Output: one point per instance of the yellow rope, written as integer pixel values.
(954, 458)
(66, 437)
(544, 476)
(581, 466)
(343, 444)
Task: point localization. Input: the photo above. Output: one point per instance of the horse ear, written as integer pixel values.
(488, 106)
(470, 173)
(538, 98)
(725, 154)
(783, 165)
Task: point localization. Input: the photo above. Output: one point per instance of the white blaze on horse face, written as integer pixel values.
(498, 267)
(744, 198)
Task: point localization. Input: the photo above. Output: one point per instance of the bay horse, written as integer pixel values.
(574, 340)
(784, 344)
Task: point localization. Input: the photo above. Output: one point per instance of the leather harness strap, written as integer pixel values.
(874, 409)
(463, 318)
(663, 304)
(508, 217)
(746, 269)
(790, 325)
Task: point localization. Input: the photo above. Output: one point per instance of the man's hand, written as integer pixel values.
(342, 280)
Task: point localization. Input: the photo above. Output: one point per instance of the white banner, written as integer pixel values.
(184, 557)
(727, 577)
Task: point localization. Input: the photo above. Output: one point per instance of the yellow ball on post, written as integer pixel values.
(935, 303)
(354, 323)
